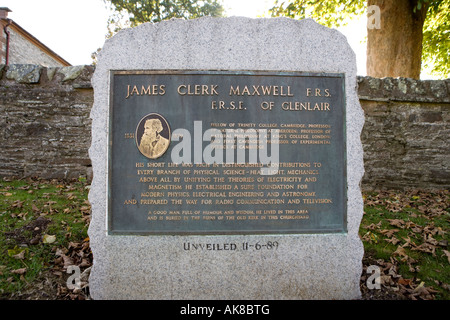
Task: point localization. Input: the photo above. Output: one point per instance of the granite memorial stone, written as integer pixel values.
(226, 160)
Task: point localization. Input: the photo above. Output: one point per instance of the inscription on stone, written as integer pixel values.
(221, 152)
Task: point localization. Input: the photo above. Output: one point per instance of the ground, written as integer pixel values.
(44, 230)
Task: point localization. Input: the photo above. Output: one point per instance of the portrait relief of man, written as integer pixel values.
(154, 133)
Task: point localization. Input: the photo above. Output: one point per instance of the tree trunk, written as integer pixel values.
(395, 49)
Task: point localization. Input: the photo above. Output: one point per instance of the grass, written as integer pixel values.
(405, 233)
(28, 244)
(411, 231)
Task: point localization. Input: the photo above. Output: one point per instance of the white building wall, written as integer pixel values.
(22, 51)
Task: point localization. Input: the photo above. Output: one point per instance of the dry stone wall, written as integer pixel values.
(44, 116)
(406, 134)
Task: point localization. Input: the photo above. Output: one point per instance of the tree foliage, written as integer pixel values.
(130, 13)
(335, 13)
(329, 13)
(436, 38)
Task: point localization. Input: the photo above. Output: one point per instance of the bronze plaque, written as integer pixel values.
(226, 152)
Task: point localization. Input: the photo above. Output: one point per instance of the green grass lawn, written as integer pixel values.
(37, 219)
(43, 230)
(408, 232)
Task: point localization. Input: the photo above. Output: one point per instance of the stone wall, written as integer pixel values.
(406, 134)
(44, 115)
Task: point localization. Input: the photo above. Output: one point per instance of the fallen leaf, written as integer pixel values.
(67, 260)
(404, 282)
(440, 231)
(413, 268)
(401, 252)
(447, 253)
(73, 244)
(430, 239)
(426, 247)
(443, 243)
(369, 237)
(84, 263)
(85, 275)
(410, 225)
(386, 280)
(48, 238)
(17, 204)
(19, 271)
(389, 232)
(57, 273)
(20, 255)
(23, 215)
(374, 226)
(392, 240)
(17, 250)
(408, 242)
(85, 209)
(397, 222)
(416, 229)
